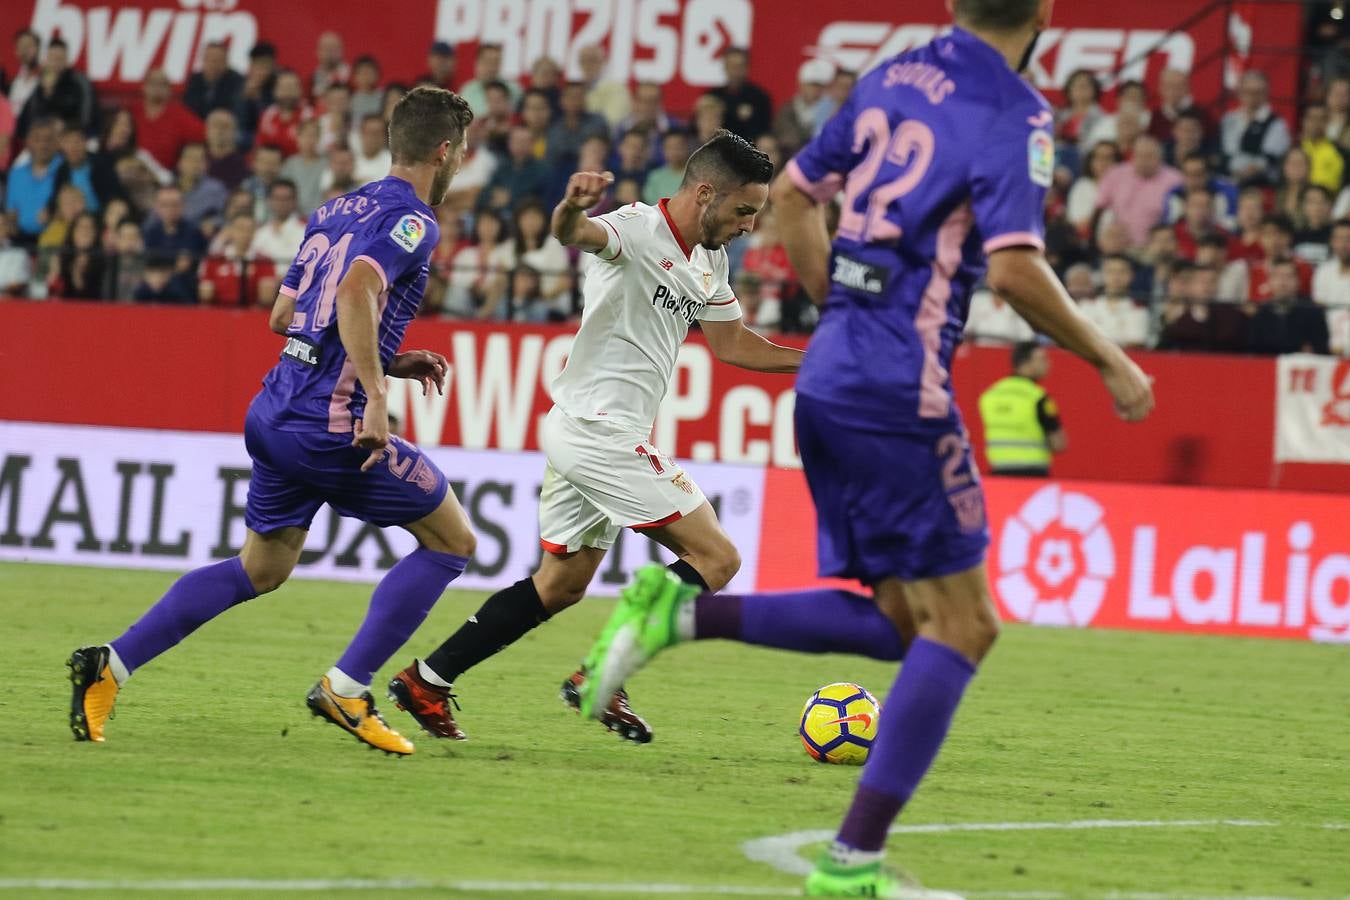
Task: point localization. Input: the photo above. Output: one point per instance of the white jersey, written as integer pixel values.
(644, 290)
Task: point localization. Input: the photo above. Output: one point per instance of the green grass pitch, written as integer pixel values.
(213, 768)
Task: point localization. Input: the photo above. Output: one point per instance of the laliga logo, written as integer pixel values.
(1054, 559)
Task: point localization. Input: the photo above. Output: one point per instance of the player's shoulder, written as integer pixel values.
(633, 214)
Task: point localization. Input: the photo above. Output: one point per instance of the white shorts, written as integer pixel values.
(601, 477)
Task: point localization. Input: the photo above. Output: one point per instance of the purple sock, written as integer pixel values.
(819, 621)
(192, 601)
(400, 603)
(914, 723)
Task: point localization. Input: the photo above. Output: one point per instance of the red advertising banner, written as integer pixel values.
(676, 43)
(1091, 554)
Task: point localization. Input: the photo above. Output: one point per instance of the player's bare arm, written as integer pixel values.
(358, 313)
(426, 367)
(571, 226)
(1023, 277)
(283, 310)
(732, 342)
(801, 227)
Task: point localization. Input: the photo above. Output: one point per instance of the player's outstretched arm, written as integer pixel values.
(571, 226)
(283, 311)
(801, 226)
(1023, 277)
(358, 315)
(732, 342)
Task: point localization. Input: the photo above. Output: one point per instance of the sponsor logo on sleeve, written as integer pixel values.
(408, 232)
(1041, 157)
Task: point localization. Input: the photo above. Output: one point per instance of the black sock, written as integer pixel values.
(687, 573)
(503, 619)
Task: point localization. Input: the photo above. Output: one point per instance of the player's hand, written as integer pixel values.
(1130, 388)
(371, 432)
(425, 366)
(584, 189)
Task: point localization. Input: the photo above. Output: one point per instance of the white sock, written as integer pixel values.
(344, 685)
(847, 857)
(119, 668)
(684, 621)
(429, 675)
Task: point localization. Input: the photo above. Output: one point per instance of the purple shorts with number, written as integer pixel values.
(296, 472)
(889, 504)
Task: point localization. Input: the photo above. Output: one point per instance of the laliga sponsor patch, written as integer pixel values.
(1041, 157)
(408, 232)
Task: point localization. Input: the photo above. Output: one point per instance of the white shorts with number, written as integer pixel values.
(601, 477)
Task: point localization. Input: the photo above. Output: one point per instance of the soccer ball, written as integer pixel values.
(839, 724)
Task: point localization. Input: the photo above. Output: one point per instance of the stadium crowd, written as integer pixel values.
(1172, 227)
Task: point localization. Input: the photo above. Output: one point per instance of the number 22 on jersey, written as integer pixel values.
(910, 147)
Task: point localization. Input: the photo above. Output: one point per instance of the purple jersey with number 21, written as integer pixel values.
(313, 386)
(944, 154)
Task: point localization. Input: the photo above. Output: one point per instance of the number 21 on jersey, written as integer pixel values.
(910, 147)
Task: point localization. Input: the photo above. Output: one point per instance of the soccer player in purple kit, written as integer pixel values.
(318, 433)
(944, 155)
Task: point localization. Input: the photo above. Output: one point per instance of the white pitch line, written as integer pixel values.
(397, 884)
(781, 851)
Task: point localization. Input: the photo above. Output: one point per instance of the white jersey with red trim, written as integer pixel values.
(644, 290)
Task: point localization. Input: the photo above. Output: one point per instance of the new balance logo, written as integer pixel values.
(667, 264)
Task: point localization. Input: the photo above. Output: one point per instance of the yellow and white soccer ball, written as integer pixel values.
(839, 724)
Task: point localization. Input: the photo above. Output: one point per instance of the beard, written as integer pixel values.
(707, 223)
(440, 185)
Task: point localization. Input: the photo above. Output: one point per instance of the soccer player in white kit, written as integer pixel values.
(656, 271)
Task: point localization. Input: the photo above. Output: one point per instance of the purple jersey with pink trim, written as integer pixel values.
(314, 386)
(944, 154)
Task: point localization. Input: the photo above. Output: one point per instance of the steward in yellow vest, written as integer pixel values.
(1021, 423)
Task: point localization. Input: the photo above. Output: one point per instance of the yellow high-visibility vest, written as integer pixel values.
(1013, 436)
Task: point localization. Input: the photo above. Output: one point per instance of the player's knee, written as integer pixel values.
(720, 567)
(459, 542)
(267, 580)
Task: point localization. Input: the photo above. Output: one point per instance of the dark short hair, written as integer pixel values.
(424, 119)
(1193, 157)
(997, 15)
(1284, 261)
(273, 147)
(487, 46)
(1217, 241)
(263, 50)
(57, 42)
(282, 183)
(1340, 223)
(1311, 188)
(366, 59)
(1023, 351)
(1281, 222)
(1117, 257)
(730, 161)
(1189, 114)
(496, 84)
(1091, 78)
(1200, 190)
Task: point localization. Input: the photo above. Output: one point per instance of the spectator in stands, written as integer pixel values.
(68, 206)
(749, 110)
(571, 129)
(256, 96)
(110, 217)
(1189, 138)
(168, 232)
(266, 169)
(279, 123)
(128, 260)
(279, 238)
(238, 276)
(536, 115)
(216, 86)
(519, 176)
(1338, 107)
(1325, 159)
(1331, 283)
(992, 320)
(1287, 323)
(1254, 138)
(795, 122)
(443, 260)
(1158, 257)
(474, 284)
(334, 118)
(627, 191)
(1251, 212)
(340, 176)
(1082, 110)
(16, 266)
(709, 118)
(1312, 237)
(61, 93)
(535, 246)
(163, 125)
(664, 181)
(331, 65)
(767, 261)
(8, 122)
(499, 119)
(1295, 171)
(27, 53)
(1277, 239)
(1174, 101)
(392, 94)
(160, 283)
(474, 173)
(224, 162)
(524, 302)
(835, 95)
(1197, 223)
(81, 267)
(769, 146)
(138, 183)
(76, 167)
(1212, 253)
(240, 202)
(648, 110)
(1135, 192)
(1114, 310)
(633, 158)
(305, 169)
(203, 196)
(32, 184)
(1184, 325)
(1129, 120)
(487, 66)
(1079, 283)
(546, 78)
(1081, 204)
(367, 95)
(372, 154)
(1197, 176)
(606, 97)
(440, 68)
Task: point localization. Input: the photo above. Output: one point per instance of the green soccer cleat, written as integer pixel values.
(829, 879)
(642, 625)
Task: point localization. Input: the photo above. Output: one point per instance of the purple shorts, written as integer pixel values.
(296, 472)
(890, 504)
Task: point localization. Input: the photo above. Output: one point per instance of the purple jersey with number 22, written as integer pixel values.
(944, 154)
